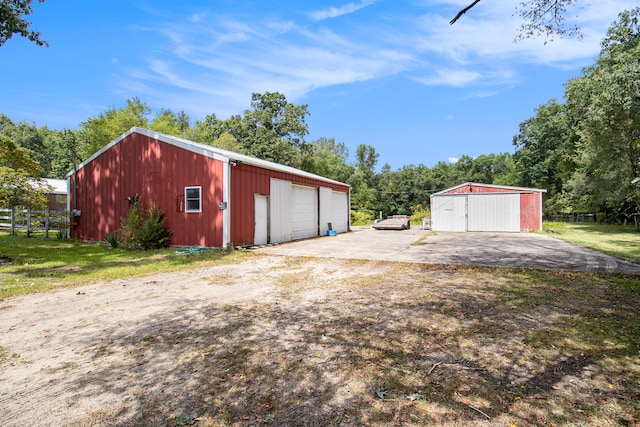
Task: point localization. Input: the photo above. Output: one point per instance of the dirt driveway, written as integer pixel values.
(284, 340)
(484, 249)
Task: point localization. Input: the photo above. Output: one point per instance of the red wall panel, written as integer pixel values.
(530, 212)
(246, 181)
(158, 173)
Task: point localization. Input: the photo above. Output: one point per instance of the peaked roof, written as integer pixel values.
(207, 151)
(503, 187)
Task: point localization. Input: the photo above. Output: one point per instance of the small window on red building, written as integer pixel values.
(193, 199)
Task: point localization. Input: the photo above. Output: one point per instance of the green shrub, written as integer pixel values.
(113, 240)
(419, 213)
(153, 233)
(144, 229)
(363, 217)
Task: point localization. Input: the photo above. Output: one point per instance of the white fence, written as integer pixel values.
(32, 220)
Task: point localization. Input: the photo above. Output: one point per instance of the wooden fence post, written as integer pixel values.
(13, 220)
(46, 223)
(29, 221)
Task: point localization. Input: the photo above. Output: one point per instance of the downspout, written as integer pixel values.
(75, 182)
(68, 230)
(349, 210)
(75, 194)
(226, 199)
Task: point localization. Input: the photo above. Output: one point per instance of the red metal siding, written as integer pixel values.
(158, 172)
(530, 212)
(246, 180)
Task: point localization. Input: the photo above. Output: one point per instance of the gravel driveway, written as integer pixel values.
(485, 249)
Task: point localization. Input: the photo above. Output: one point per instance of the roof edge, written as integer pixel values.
(505, 187)
(208, 151)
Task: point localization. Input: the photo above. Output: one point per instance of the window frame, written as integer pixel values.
(187, 199)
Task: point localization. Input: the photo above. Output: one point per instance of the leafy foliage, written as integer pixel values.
(605, 104)
(19, 177)
(541, 18)
(12, 21)
(545, 18)
(143, 229)
(99, 131)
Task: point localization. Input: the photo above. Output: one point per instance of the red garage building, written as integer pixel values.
(210, 197)
(484, 207)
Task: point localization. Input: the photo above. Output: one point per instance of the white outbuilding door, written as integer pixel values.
(304, 212)
(261, 222)
(493, 212)
(476, 212)
(280, 211)
(340, 211)
(449, 213)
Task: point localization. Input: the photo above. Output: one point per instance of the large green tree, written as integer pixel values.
(546, 151)
(29, 136)
(99, 131)
(20, 185)
(274, 128)
(605, 102)
(400, 191)
(327, 158)
(13, 21)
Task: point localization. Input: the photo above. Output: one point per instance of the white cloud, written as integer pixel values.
(447, 77)
(218, 63)
(453, 160)
(197, 17)
(334, 12)
(236, 59)
(487, 32)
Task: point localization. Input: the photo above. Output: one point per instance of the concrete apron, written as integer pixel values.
(531, 250)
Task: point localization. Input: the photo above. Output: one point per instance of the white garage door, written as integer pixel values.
(449, 213)
(340, 211)
(304, 212)
(494, 212)
(280, 211)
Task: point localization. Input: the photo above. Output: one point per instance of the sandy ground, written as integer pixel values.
(85, 355)
(56, 345)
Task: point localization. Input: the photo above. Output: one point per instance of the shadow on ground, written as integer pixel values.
(413, 346)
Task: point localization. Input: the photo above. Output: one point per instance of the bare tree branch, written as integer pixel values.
(463, 11)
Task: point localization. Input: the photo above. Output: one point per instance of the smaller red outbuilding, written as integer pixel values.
(210, 197)
(484, 207)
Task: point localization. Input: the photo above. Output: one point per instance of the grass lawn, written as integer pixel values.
(618, 240)
(32, 264)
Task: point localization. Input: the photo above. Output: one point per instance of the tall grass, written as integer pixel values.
(619, 240)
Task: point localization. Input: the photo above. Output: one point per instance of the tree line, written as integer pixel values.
(585, 150)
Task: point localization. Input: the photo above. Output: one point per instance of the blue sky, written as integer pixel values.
(388, 73)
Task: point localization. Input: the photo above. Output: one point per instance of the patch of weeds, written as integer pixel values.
(183, 420)
(629, 285)
(421, 241)
(113, 240)
(553, 227)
